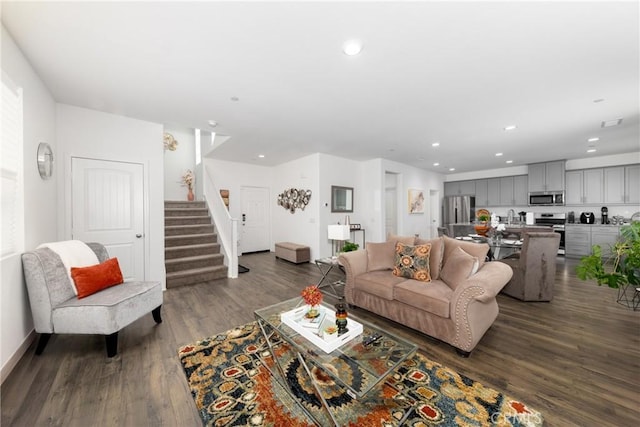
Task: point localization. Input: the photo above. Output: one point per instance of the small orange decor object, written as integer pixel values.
(482, 229)
(312, 295)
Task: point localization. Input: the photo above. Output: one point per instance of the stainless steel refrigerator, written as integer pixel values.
(458, 210)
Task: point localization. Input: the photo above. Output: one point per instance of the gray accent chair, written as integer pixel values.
(57, 310)
(534, 270)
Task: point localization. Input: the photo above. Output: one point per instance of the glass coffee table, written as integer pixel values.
(358, 366)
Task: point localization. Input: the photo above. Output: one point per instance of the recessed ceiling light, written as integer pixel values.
(609, 123)
(261, 156)
(435, 144)
(213, 123)
(510, 127)
(452, 169)
(352, 47)
(594, 139)
(591, 150)
(498, 154)
(436, 164)
(509, 161)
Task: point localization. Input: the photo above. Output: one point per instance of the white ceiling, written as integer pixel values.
(453, 72)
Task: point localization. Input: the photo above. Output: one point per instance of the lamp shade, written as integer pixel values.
(339, 232)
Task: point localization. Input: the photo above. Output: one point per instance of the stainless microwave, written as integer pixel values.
(546, 199)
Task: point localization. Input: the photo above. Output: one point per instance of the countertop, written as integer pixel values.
(596, 224)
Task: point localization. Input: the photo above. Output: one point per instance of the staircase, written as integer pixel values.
(191, 248)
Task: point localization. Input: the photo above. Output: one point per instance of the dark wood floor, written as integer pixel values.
(576, 359)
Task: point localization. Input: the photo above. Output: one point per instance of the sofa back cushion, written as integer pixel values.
(412, 262)
(381, 256)
(478, 250)
(435, 257)
(407, 240)
(458, 268)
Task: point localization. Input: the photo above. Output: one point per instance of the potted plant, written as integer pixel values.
(482, 225)
(350, 246)
(621, 269)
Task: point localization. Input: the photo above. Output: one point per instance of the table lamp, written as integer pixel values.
(338, 233)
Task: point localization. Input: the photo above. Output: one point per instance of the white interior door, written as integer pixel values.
(434, 212)
(108, 207)
(390, 212)
(254, 235)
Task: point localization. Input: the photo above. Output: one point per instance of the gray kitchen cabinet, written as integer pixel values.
(493, 191)
(520, 193)
(574, 192)
(593, 190)
(605, 236)
(614, 185)
(547, 176)
(577, 240)
(482, 196)
(580, 238)
(622, 184)
(632, 184)
(460, 188)
(506, 191)
(584, 187)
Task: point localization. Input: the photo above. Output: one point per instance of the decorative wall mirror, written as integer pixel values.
(341, 199)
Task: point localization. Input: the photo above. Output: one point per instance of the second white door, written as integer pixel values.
(254, 235)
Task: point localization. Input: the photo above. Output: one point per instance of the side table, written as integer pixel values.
(326, 265)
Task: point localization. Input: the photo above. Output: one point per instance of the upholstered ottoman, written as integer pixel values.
(293, 252)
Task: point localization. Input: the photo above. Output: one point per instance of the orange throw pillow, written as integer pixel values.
(95, 278)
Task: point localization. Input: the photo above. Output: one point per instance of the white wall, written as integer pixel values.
(302, 227)
(177, 162)
(340, 172)
(93, 134)
(40, 200)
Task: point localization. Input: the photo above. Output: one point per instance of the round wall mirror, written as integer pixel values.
(45, 160)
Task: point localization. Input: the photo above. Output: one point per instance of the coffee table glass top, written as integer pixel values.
(353, 365)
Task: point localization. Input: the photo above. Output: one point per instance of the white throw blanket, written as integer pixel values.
(73, 253)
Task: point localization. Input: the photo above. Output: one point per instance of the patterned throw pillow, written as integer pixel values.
(412, 262)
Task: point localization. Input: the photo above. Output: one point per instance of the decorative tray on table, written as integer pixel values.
(294, 320)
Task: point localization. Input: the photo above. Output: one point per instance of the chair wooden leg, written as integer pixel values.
(112, 344)
(156, 314)
(42, 343)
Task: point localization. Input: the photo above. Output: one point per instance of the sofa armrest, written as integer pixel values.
(473, 303)
(355, 263)
(492, 277)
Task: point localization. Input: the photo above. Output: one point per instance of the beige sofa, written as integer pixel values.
(458, 304)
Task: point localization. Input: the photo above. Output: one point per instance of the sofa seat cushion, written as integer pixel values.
(434, 297)
(107, 311)
(379, 283)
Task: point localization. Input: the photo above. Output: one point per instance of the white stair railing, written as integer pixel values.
(226, 226)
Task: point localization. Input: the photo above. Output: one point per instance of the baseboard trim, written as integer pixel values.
(15, 358)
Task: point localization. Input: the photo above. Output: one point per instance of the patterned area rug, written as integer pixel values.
(234, 382)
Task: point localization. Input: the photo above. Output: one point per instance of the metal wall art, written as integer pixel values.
(293, 198)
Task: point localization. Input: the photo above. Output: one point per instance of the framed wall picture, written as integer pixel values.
(416, 201)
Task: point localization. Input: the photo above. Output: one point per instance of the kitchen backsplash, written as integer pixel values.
(625, 211)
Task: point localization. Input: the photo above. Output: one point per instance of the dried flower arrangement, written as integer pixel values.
(187, 179)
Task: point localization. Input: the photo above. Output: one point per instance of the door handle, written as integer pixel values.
(138, 235)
